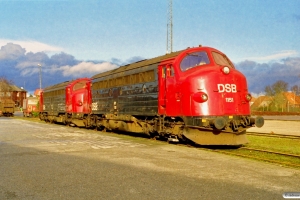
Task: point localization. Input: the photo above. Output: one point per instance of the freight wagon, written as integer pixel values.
(7, 107)
(30, 105)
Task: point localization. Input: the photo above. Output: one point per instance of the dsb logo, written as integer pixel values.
(227, 88)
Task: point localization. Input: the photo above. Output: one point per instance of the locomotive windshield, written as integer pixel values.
(79, 85)
(194, 59)
(222, 60)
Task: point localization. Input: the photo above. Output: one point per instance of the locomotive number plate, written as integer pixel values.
(229, 99)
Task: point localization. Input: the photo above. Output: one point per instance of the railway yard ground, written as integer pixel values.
(47, 161)
(286, 125)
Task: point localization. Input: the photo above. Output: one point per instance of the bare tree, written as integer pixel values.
(295, 89)
(278, 87)
(5, 87)
(269, 91)
(276, 91)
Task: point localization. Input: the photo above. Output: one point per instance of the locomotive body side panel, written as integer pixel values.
(54, 102)
(53, 99)
(132, 92)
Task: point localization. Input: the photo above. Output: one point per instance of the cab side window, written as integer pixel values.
(170, 71)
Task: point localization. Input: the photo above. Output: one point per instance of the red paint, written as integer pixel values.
(78, 96)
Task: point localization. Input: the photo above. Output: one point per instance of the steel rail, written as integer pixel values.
(274, 135)
(258, 158)
(273, 152)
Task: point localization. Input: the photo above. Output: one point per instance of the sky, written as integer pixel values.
(72, 39)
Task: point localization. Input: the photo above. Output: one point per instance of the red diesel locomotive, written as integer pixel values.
(194, 94)
(66, 102)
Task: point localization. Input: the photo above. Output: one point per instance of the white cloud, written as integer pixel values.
(276, 56)
(32, 46)
(85, 69)
(29, 71)
(11, 52)
(26, 64)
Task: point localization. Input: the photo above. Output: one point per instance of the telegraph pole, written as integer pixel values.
(170, 28)
(40, 76)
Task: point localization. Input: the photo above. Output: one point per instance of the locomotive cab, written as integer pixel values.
(78, 97)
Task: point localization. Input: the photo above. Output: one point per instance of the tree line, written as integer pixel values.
(276, 92)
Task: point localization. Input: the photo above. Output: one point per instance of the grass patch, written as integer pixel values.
(284, 145)
(267, 157)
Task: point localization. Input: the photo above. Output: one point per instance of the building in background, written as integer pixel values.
(14, 93)
(286, 102)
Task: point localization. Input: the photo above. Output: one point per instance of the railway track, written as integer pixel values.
(272, 152)
(253, 153)
(274, 135)
(284, 159)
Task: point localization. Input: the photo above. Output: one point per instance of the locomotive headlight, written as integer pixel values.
(204, 97)
(226, 70)
(248, 97)
(200, 97)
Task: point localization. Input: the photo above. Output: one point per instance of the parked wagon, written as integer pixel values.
(7, 107)
(30, 105)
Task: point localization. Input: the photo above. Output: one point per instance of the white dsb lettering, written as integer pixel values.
(227, 88)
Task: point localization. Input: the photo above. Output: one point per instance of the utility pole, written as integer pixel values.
(40, 66)
(170, 28)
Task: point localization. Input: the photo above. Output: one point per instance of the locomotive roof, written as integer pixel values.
(63, 85)
(137, 64)
(56, 86)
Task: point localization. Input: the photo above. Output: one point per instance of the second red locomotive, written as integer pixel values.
(67, 102)
(194, 94)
